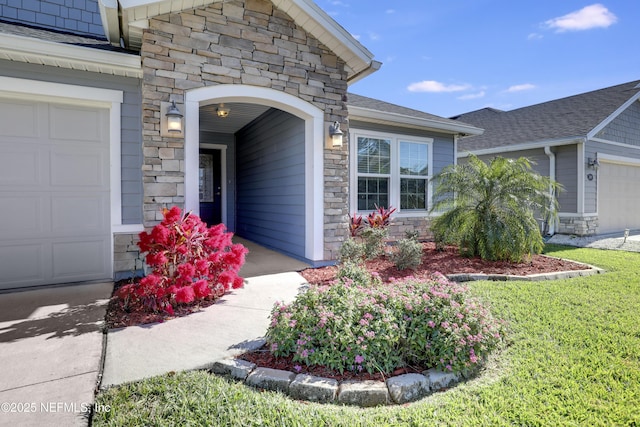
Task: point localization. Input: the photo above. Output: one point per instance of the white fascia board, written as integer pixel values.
(26, 49)
(383, 117)
(522, 147)
(110, 20)
(613, 115)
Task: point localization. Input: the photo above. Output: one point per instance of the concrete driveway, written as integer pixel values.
(50, 354)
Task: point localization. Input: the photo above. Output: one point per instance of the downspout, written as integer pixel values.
(552, 176)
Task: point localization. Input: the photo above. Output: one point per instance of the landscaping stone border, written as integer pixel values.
(395, 390)
(589, 270)
(398, 389)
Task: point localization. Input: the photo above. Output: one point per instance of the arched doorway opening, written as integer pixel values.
(270, 165)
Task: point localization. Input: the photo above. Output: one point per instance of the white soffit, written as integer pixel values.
(34, 51)
(359, 61)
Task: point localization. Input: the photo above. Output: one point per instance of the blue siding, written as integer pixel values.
(270, 172)
(79, 16)
(131, 120)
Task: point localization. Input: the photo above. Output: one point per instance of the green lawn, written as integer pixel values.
(573, 358)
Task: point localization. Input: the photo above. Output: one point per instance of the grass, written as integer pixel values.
(573, 358)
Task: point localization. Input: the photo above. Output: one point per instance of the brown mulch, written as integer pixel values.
(447, 261)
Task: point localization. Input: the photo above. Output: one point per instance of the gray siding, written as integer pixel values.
(77, 16)
(625, 128)
(227, 140)
(539, 160)
(270, 171)
(567, 175)
(131, 133)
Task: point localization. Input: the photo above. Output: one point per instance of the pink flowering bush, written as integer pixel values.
(189, 262)
(381, 327)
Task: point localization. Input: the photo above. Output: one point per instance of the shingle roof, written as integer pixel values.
(570, 117)
(15, 29)
(376, 104)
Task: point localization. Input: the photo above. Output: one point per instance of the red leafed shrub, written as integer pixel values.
(189, 262)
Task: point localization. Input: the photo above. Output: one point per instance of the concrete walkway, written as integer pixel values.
(51, 340)
(614, 241)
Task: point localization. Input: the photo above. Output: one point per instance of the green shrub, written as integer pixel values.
(489, 209)
(356, 273)
(374, 241)
(354, 327)
(352, 251)
(408, 254)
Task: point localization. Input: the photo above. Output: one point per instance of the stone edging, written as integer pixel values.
(589, 270)
(395, 390)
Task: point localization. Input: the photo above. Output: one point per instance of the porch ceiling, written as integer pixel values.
(131, 17)
(240, 115)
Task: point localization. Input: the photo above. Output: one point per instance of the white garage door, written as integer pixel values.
(618, 197)
(54, 193)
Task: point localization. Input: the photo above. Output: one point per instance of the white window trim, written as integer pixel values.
(394, 180)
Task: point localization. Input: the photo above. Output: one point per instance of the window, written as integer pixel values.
(392, 171)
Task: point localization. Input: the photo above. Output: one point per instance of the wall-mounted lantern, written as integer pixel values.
(335, 135)
(171, 123)
(593, 163)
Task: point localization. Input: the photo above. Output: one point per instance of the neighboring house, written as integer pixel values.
(589, 143)
(87, 160)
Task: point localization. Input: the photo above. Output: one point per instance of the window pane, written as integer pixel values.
(374, 155)
(413, 193)
(372, 192)
(414, 159)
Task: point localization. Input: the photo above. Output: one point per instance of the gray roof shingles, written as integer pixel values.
(376, 104)
(571, 117)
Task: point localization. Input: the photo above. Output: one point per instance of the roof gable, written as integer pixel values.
(131, 17)
(573, 117)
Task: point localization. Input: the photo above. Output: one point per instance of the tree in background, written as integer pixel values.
(490, 210)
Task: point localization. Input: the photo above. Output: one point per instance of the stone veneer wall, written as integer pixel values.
(126, 256)
(246, 42)
(578, 225)
(400, 225)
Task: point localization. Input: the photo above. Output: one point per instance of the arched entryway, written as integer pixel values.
(302, 123)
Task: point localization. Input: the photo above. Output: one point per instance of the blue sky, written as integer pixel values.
(448, 57)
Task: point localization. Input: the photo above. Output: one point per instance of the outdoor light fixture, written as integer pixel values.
(222, 112)
(336, 135)
(593, 163)
(174, 119)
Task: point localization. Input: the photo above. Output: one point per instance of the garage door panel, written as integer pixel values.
(71, 214)
(67, 166)
(22, 216)
(618, 197)
(22, 264)
(54, 194)
(21, 166)
(79, 260)
(22, 119)
(88, 124)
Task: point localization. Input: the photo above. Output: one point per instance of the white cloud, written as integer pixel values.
(356, 36)
(390, 11)
(594, 16)
(520, 88)
(435, 87)
(467, 97)
(374, 36)
(534, 36)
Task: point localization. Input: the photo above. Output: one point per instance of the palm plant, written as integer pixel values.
(490, 209)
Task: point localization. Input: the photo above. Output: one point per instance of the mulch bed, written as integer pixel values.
(449, 261)
(446, 261)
